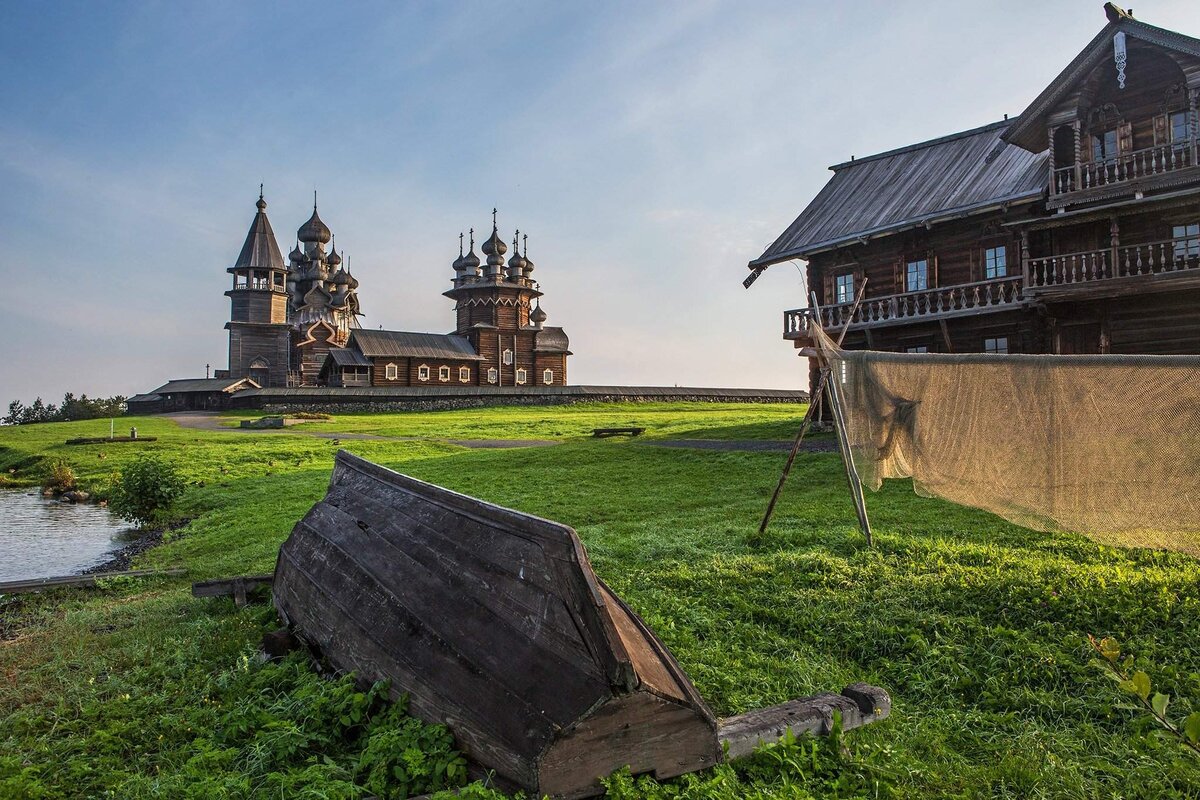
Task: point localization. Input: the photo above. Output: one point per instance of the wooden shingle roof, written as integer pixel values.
(952, 176)
(373, 344)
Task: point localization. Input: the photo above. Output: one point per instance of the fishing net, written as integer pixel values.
(1107, 446)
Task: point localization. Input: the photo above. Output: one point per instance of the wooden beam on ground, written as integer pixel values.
(601, 433)
(859, 704)
(72, 581)
(237, 587)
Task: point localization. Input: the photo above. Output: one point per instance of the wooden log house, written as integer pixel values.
(1073, 228)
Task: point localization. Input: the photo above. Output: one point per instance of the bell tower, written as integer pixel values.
(259, 341)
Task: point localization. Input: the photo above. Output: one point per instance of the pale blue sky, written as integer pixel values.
(649, 149)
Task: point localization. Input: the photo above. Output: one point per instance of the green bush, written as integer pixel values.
(145, 490)
(60, 478)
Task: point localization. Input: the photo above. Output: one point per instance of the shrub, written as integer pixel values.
(60, 478)
(145, 490)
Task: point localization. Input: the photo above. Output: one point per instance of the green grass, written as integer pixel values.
(976, 627)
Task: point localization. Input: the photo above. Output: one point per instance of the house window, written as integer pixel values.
(548, 376)
(443, 373)
(464, 374)
(355, 376)
(1179, 126)
(995, 262)
(1187, 240)
(522, 375)
(921, 349)
(1104, 145)
(916, 276)
(422, 373)
(507, 357)
(997, 345)
(493, 375)
(843, 291)
(390, 372)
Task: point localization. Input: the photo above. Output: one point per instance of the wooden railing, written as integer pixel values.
(1125, 167)
(1150, 258)
(940, 302)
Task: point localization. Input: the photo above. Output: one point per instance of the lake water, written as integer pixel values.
(40, 538)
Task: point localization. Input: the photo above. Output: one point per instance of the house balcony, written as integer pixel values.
(939, 303)
(1152, 266)
(1128, 173)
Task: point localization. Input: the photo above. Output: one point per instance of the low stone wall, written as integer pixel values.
(375, 399)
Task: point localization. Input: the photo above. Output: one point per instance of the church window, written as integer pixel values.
(507, 357)
(997, 345)
(423, 373)
(522, 375)
(1104, 145)
(464, 374)
(548, 376)
(443, 373)
(493, 375)
(390, 372)
(1187, 240)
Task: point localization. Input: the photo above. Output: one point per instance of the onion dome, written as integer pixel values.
(297, 255)
(516, 264)
(457, 266)
(341, 278)
(494, 248)
(333, 259)
(470, 262)
(537, 316)
(314, 230)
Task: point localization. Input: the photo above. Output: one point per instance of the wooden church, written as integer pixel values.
(1073, 228)
(296, 323)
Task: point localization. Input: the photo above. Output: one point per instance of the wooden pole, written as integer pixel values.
(839, 423)
(813, 405)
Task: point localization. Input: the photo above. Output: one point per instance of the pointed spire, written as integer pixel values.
(261, 204)
(460, 238)
(260, 250)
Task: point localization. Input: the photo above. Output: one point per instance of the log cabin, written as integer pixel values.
(1073, 228)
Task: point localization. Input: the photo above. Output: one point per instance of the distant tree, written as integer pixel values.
(16, 413)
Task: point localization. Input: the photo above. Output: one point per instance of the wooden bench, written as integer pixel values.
(601, 433)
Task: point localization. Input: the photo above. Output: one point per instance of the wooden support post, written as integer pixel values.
(814, 406)
(839, 423)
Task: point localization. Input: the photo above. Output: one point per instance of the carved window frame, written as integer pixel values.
(548, 377)
(464, 374)
(493, 375)
(391, 372)
(522, 376)
(423, 372)
(443, 373)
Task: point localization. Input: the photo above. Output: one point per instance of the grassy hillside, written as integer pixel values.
(977, 627)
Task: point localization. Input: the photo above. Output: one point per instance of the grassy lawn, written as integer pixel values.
(976, 627)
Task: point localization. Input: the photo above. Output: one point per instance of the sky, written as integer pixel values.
(649, 151)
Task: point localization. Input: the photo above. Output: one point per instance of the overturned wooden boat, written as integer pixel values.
(493, 623)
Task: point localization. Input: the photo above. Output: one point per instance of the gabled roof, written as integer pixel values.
(1029, 129)
(144, 398)
(206, 385)
(952, 176)
(376, 344)
(346, 357)
(260, 251)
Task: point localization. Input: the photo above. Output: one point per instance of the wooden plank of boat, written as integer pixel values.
(493, 623)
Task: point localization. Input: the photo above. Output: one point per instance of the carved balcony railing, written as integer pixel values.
(1093, 266)
(938, 303)
(1139, 164)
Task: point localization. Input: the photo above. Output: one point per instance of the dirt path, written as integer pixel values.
(207, 421)
(746, 445)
